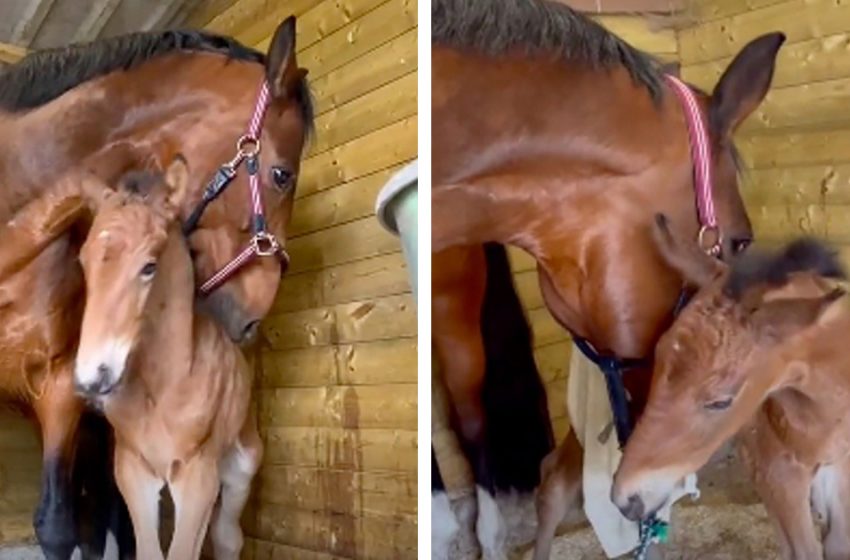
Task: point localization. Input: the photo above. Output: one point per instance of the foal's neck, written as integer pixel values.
(166, 349)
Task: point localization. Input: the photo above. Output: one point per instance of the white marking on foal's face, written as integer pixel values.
(102, 368)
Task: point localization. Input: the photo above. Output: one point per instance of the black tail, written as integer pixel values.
(519, 430)
(98, 502)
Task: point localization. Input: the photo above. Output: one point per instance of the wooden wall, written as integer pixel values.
(797, 145)
(552, 344)
(20, 472)
(337, 385)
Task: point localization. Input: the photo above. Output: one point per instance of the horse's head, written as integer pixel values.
(120, 257)
(740, 90)
(719, 360)
(225, 227)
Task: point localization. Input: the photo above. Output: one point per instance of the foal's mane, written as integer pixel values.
(44, 75)
(496, 27)
(774, 269)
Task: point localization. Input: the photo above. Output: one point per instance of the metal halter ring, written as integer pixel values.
(265, 244)
(709, 240)
(248, 146)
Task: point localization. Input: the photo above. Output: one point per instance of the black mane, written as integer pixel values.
(802, 255)
(44, 75)
(495, 27)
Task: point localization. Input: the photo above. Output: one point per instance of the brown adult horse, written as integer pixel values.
(152, 94)
(553, 135)
(171, 382)
(760, 351)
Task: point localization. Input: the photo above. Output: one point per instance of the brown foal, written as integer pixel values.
(170, 381)
(759, 352)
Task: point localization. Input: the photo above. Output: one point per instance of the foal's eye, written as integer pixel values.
(720, 404)
(147, 271)
(283, 178)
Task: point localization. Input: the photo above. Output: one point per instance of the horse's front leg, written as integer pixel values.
(58, 411)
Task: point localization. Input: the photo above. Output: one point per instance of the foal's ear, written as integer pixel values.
(176, 182)
(744, 84)
(282, 70)
(778, 319)
(696, 266)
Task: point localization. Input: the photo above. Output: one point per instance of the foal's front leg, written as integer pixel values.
(140, 488)
(784, 486)
(194, 488)
(238, 468)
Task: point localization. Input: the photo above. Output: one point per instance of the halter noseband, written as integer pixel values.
(263, 243)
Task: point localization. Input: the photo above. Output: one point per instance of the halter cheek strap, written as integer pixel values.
(262, 243)
(709, 234)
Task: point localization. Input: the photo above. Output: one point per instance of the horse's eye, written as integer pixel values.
(283, 178)
(739, 244)
(720, 404)
(148, 271)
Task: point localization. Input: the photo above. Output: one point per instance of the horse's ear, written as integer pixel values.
(696, 267)
(282, 70)
(775, 320)
(176, 182)
(744, 84)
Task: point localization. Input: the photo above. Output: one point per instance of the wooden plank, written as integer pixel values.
(363, 74)
(544, 328)
(825, 147)
(31, 21)
(348, 492)
(800, 20)
(341, 244)
(716, 9)
(243, 17)
(378, 150)
(363, 321)
(388, 407)
(206, 11)
(366, 363)
(528, 289)
(377, 27)
(381, 107)
(354, 537)
(258, 549)
(800, 63)
(782, 223)
(556, 397)
(553, 361)
(808, 105)
(96, 19)
(793, 186)
(380, 276)
(329, 16)
(638, 31)
(339, 205)
(11, 54)
(338, 448)
(520, 260)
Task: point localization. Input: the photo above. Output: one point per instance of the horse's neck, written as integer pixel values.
(167, 347)
(36, 149)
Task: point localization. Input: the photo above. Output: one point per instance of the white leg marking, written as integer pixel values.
(491, 530)
(237, 469)
(444, 526)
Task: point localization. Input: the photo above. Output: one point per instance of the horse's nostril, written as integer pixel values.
(250, 331)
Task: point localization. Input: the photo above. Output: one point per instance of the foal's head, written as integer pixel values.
(119, 259)
(729, 348)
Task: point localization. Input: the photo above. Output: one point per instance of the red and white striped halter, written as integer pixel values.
(709, 233)
(262, 243)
